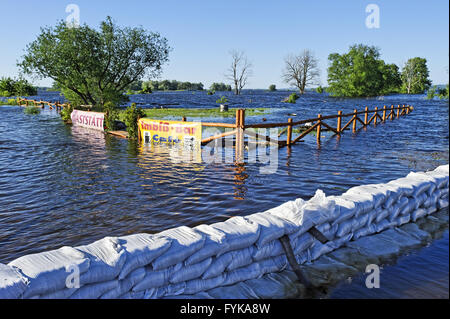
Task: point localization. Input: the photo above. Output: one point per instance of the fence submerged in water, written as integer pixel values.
(188, 262)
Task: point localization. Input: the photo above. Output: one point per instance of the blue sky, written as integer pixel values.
(202, 33)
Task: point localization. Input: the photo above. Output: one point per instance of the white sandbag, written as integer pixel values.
(133, 295)
(289, 210)
(344, 228)
(47, 272)
(418, 213)
(381, 214)
(271, 227)
(404, 186)
(318, 249)
(385, 224)
(403, 219)
(303, 243)
(107, 258)
(249, 272)
(410, 207)
(420, 200)
(441, 178)
(326, 230)
(198, 285)
(218, 265)
(443, 169)
(12, 283)
(421, 183)
(239, 232)
(318, 210)
(237, 291)
(271, 249)
(359, 222)
(378, 192)
(395, 209)
(154, 278)
(94, 291)
(174, 289)
(65, 293)
(241, 258)
(442, 203)
(141, 250)
(126, 284)
(215, 244)
(185, 242)
(364, 201)
(185, 273)
(345, 209)
(368, 230)
(271, 265)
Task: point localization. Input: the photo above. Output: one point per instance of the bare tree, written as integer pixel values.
(239, 71)
(301, 70)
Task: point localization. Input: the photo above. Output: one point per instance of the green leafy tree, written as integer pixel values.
(360, 73)
(272, 87)
(12, 87)
(220, 87)
(319, 89)
(95, 66)
(415, 76)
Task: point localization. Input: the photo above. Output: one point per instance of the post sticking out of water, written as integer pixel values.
(375, 116)
(339, 122)
(289, 133)
(319, 127)
(366, 114)
(384, 113)
(354, 120)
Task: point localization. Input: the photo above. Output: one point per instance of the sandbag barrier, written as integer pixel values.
(185, 261)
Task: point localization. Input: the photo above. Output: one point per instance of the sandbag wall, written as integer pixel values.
(187, 260)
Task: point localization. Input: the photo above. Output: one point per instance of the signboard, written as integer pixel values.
(92, 120)
(170, 132)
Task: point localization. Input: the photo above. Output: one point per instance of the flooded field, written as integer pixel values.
(62, 185)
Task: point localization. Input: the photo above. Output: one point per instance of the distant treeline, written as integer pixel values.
(11, 87)
(165, 85)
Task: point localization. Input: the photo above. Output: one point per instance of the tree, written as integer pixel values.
(361, 73)
(95, 66)
(220, 87)
(11, 87)
(415, 76)
(272, 87)
(301, 70)
(239, 71)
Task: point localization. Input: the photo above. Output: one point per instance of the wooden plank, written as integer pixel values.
(305, 133)
(211, 138)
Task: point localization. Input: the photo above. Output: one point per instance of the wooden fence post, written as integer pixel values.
(366, 114)
(289, 133)
(354, 120)
(392, 112)
(339, 122)
(407, 109)
(398, 111)
(384, 113)
(376, 115)
(183, 119)
(319, 128)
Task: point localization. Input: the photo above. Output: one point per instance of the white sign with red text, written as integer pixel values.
(92, 120)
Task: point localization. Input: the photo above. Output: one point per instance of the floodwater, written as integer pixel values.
(62, 185)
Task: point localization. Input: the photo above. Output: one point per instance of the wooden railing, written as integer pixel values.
(51, 105)
(309, 125)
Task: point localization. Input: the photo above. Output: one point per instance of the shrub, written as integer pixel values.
(222, 100)
(131, 117)
(319, 89)
(292, 98)
(211, 92)
(431, 93)
(32, 110)
(65, 113)
(111, 115)
(272, 87)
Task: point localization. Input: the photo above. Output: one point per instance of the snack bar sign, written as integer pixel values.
(93, 120)
(170, 132)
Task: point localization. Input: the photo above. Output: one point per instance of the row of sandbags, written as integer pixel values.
(187, 260)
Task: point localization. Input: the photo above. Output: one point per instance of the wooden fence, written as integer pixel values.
(51, 105)
(307, 126)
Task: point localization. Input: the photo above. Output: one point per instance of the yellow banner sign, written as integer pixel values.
(170, 132)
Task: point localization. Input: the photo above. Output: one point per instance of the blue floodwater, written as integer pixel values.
(62, 185)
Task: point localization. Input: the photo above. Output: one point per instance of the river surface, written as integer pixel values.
(62, 185)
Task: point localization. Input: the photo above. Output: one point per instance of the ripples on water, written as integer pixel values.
(62, 185)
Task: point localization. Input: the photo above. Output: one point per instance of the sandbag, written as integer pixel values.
(442, 169)
(141, 250)
(418, 213)
(271, 265)
(345, 209)
(303, 242)
(47, 272)
(65, 293)
(382, 214)
(363, 201)
(94, 291)
(441, 178)
(154, 278)
(318, 210)
(239, 232)
(185, 242)
(368, 230)
(241, 258)
(198, 285)
(184, 273)
(421, 183)
(125, 284)
(289, 211)
(133, 295)
(271, 227)
(249, 272)
(107, 258)
(12, 283)
(218, 265)
(215, 244)
(377, 192)
(271, 249)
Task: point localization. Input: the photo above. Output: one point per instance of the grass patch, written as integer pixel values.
(9, 102)
(196, 113)
(32, 110)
